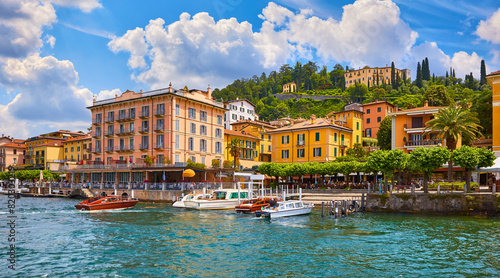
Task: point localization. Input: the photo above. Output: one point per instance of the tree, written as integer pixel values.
(357, 92)
(393, 75)
(468, 159)
(453, 124)
(357, 151)
(347, 168)
(384, 134)
(234, 147)
(483, 73)
(418, 80)
(426, 72)
(437, 95)
(398, 159)
(379, 163)
(427, 160)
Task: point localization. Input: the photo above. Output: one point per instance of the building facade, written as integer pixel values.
(260, 130)
(238, 110)
(38, 161)
(375, 112)
(371, 76)
(78, 150)
(169, 125)
(314, 140)
(494, 81)
(249, 153)
(290, 87)
(352, 119)
(408, 128)
(49, 156)
(11, 153)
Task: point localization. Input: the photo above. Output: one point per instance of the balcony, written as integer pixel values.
(2, 164)
(159, 146)
(159, 128)
(109, 149)
(2, 154)
(96, 135)
(109, 133)
(301, 143)
(344, 143)
(96, 150)
(125, 117)
(124, 148)
(143, 129)
(144, 146)
(109, 119)
(144, 114)
(96, 121)
(124, 131)
(159, 113)
(27, 156)
(423, 143)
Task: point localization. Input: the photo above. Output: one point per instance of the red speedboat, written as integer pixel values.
(107, 203)
(257, 204)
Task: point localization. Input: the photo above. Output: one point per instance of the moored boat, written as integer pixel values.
(112, 202)
(220, 199)
(180, 203)
(286, 208)
(257, 204)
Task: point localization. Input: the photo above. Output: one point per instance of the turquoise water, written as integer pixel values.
(154, 240)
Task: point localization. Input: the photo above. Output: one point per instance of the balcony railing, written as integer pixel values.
(96, 134)
(109, 148)
(143, 129)
(96, 121)
(159, 146)
(109, 119)
(2, 154)
(159, 112)
(96, 150)
(124, 148)
(301, 143)
(144, 114)
(429, 142)
(109, 133)
(125, 117)
(124, 131)
(159, 128)
(344, 143)
(143, 146)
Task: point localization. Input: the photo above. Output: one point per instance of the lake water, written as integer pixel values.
(155, 240)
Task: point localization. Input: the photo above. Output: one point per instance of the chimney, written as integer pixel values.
(313, 118)
(426, 103)
(170, 87)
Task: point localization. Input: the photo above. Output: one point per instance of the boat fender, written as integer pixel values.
(82, 209)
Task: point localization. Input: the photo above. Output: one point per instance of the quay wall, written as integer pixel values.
(470, 204)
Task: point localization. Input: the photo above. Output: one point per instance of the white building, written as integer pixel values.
(238, 110)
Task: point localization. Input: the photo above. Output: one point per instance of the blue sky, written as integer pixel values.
(56, 55)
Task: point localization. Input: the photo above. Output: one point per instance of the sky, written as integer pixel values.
(56, 56)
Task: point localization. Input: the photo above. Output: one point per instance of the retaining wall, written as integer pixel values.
(470, 204)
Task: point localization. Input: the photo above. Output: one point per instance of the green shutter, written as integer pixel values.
(335, 152)
(282, 139)
(319, 151)
(317, 136)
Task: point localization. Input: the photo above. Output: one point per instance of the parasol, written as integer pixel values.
(188, 173)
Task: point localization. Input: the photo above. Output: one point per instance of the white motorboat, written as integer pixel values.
(220, 199)
(180, 203)
(286, 208)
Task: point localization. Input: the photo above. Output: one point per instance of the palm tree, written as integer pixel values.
(451, 124)
(234, 147)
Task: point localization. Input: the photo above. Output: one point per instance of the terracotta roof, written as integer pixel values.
(238, 133)
(402, 112)
(340, 112)
(13, 145)
(377, 102)
(259, 123)
(494, 73)
(50, 144)
(320, 122)
(81, 138)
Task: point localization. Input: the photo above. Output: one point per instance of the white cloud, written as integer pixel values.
(464, 63)
(84, 5)
(50, 40)
(133, 41)
(490, 29)
(107, 94)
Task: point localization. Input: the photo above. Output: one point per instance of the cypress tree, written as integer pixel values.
(483, 73)
(404, 77)
(454, 73)
(418, 81)
(377, 78)
(446, 79)
(393, 75)
(427, 72)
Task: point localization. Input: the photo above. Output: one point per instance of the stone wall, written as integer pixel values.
(299, 96)
(469, 204)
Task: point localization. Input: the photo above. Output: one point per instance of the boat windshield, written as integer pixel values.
(218, 195)
(298, 205)
(289, 206)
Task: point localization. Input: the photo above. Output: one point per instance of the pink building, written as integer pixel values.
(171, 125)
(12, 152)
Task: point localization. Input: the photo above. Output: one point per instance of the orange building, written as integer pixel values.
(375, 112)
(167, 123)
(11, 152)
(409, 125)
(494, 81)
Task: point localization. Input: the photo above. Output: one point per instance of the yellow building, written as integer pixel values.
(77, 150)
(289, 87)
(371, 76)
(352, 119)
(260, 130)
(249, 154)
(319, 140)
(49, 156)
(494, 81)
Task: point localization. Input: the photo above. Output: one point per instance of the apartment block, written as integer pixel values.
(78, 150)
(373, 76)
(375, 112)
(238, 110)
(166, 123)
(260, 130)
(39, 160)
(11, 152)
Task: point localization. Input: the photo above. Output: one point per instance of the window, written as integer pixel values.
(368, 120)
(242, 118)
(316, 152)
(132, 127)
(203, 130)
(65, 150)
(177, 110)
(317, 136)
(203, 116)
(379, 109)
(417, 122)
(218, 133)
(193, 158)
(249, 144)
(177, 125)
(301, 139)
(285, 139)
(72, 149)
(111, 116)
(254, 145)
(367, 111)
(357, 125)
(218, 147)
(262, 137)
(269, 148)
(284, 154)
(193, 128)
(192, 113)
(131, 140)
(335, 137)
(203, 160)
(177, 158)
(159, 141)
(301, 153)
(242, 109)
(160, 109)
(368, 132)
(342, 138)
(145, 126)
(159, 124)
(262, 148)
(357, 138)
(203, 145)
(131, 113)
(234, 117)
(379, 119)
(144, 142)
(145, 111)
(335, 152)
(177, 142)
(219, 119)
(190, 143)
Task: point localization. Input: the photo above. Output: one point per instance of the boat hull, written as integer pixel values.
(108, 206)
(277, 214)
(212, 204)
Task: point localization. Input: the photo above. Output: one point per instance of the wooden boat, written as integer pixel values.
(180, 203)
(112, 202)
(286, 208)
(257, 204)
(220, 199)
